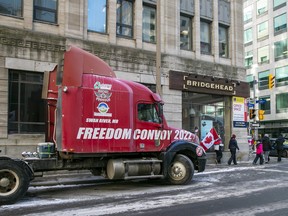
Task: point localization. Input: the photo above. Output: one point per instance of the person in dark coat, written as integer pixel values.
(233, 146)
(266, 147)
(279, 146)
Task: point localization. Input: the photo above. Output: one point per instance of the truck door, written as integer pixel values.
(149, 135)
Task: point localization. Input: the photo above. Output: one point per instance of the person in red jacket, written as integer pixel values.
(259, 153)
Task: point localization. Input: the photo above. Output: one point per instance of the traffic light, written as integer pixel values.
(271, 79)
(261, 114)
(252, 113)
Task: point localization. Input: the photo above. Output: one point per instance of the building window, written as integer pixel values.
(250, 80)
(281, 76)
(263, 55)
(248, 59)
(45, 10)
(205, 37)
(262, 30)
(149, 24)
(248, 36)
(247, 16)
(185, 32)
(124, 18)
(266, 106)
(223, 42)
(263, 80)
(26, 108)
(261, 7)
(280, 24)
(97, 12)
(282, 103)
(280, 50)
(279, 3)
(11, 7)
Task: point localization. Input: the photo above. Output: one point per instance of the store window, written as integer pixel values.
(45, 10)
(262, 7)
(280, 50)
(185, 32)
(282, 103)
(203, 111)
(248, 36)
(263, 55)
(263, 80)
(280, 24)
(97, 15)
(279, 3)
(205, 37)
(262, 30)
(266, 104)
(11, 7)
(247, 16)
(223, 41)
(281, 76)
(149, 24)
(248, 59)
(25, 106)
(124, 25)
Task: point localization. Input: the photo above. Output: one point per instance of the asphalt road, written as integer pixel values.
(220, 190)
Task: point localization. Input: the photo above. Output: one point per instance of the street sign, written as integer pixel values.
(261, 101)
(255, 125)
(251, 105)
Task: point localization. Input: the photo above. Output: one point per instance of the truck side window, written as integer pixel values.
(148, 112)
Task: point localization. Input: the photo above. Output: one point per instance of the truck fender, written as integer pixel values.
(181, 147)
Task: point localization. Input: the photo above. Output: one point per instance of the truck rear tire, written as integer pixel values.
(14, 181)
(181, 170)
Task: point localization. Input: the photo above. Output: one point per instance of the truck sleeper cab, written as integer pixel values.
(97, 122)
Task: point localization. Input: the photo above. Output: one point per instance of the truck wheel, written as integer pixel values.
(181, 170)
(14, 181)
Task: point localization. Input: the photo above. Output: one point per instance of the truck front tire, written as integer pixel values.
(14, 181)
(181, 170)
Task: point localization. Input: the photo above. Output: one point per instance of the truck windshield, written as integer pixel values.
(148, 112)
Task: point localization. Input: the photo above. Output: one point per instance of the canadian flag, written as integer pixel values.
(210, 139)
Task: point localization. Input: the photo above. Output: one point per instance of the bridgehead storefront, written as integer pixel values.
(210, 101)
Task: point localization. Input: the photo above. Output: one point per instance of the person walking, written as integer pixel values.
(279, 146)
(266, 147)
(218, 149)
(259, 153)
(233, 146)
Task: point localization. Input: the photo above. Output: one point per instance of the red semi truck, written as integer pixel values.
(110, 126)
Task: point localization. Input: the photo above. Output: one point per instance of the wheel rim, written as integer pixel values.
(177, 171)
(9, 182)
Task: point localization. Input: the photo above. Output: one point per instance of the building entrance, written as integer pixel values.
(201, 112)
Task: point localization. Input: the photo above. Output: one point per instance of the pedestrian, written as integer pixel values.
(218, 150)
(279, 146)
(259, 153)
(266, 147)
(233, 146)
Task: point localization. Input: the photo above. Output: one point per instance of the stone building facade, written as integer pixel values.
(201, 40)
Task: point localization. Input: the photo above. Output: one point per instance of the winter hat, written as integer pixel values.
(233, 136)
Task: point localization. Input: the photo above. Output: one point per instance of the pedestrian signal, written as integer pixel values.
(252, 113)
(261, 114)
(271, 80)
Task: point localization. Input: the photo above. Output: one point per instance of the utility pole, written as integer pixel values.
(158, 49)
(256, 108)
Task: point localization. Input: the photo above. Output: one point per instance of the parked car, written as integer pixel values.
(273, 152)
